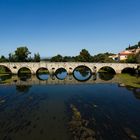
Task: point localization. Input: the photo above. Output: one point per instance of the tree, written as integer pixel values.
(57, 58)
(84, 56)
(139, 43)
(22, 54)
(138, 57)
(12, 57)
(103, 57)
(3, 59)
(134, 46)
(131, 59)
(36, 57)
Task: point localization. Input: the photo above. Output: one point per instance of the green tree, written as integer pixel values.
(131, 59)
(22, 54)
(12, 57)
(84, 56)
(139, 43)
(36, 57)
(103, 57)
(3, 59)
(57, 58)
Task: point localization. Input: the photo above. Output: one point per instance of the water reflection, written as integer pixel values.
(42, 74)
(24, 76)
(61, 73)
(105, 76)
(23, 88)
(5, 78)
(68, 112)
(82, 73)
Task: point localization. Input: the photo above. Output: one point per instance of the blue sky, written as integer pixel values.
(64, 27)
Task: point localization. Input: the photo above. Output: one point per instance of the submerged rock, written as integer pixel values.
(78, 126)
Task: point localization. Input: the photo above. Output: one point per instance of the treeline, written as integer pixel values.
(133, 46)
(22, 54)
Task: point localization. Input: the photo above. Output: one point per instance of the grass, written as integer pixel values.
(129, 80)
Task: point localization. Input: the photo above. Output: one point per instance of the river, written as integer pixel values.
(88, 108)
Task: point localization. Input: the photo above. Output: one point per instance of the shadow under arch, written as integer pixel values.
(82, 73)
(24, 73)
(42, 73)
(5, 74)
(106, 73)
(61, 73)
(128, 70)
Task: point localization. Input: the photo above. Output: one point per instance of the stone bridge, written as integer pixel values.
(14, 67)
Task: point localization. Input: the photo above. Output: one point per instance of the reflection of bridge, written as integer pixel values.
(15, 80)
(14, 67)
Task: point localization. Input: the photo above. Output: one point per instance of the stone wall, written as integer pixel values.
(69, 66)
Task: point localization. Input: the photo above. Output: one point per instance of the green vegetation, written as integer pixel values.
(103, 57)
(22, 54)
(134, 46)
(129, 80)
(133, 58)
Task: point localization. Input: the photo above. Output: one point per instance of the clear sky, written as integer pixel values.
(64, 27)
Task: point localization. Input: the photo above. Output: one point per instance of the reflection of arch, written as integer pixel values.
(128, 70)
(105, 76)
(84, 71)
(27, 70)
(107, 69)
(5, 70)
(42, 73)
(83, 66)
(61, 70)
(42, 68)
(25, 74)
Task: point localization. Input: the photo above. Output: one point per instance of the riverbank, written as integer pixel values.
(129, 80)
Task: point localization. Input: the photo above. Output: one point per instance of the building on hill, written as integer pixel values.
(123, 55)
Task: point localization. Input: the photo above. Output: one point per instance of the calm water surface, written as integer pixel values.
(85, 111)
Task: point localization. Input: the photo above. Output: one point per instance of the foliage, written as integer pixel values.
(36, 57)
(131, 59)
(22, 54)
(84, 56)
(3, 59)
(57, 58)
(12, 57)
(134, 46)
(68, 59)
(103, 57)
(138, 57)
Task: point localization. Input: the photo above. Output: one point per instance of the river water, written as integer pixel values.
(68, 110)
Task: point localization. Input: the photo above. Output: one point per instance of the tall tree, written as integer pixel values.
(3, 59)
(84, 56)
(36, 57)
(22, 54)
(12, 57)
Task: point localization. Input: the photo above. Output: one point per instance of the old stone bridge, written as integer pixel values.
(15, 67)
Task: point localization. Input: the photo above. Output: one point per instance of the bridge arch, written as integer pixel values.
(82, 73)
(42, 73)
(108, 69)
(5, 70)
(25, 68)
(61, 73)
(130, 70)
